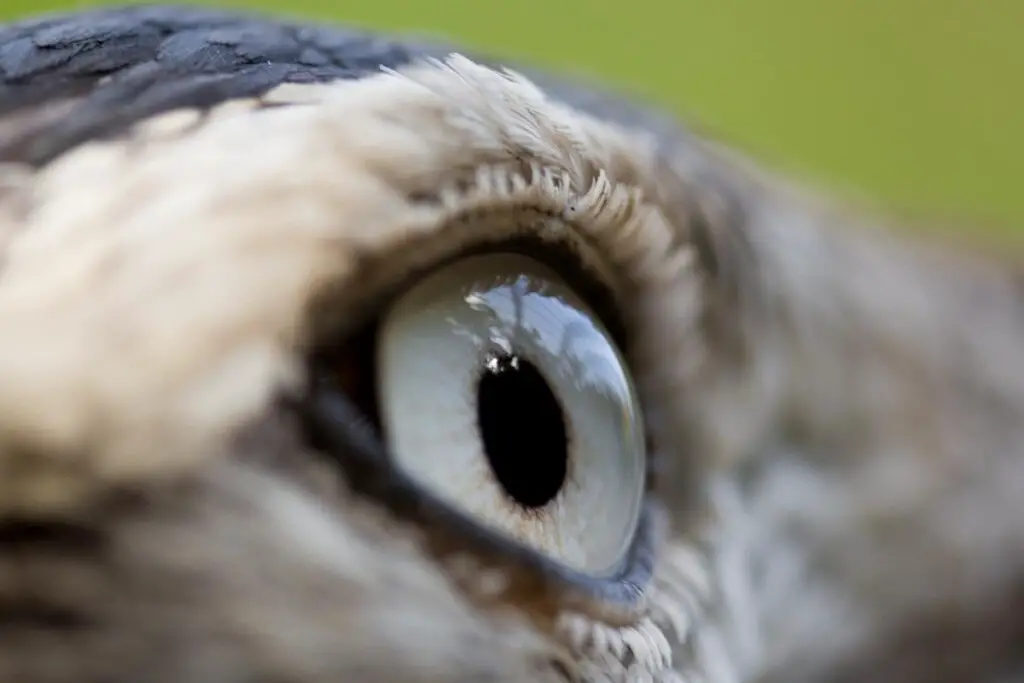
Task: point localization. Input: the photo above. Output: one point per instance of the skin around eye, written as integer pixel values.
(503, 394)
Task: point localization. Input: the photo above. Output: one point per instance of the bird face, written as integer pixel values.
(344, 383)
(428, 376)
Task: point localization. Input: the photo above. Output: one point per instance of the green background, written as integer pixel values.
(913, 103)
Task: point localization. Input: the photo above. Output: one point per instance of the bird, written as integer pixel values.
(329, 355)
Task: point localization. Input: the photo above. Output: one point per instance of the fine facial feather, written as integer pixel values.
(838, 409)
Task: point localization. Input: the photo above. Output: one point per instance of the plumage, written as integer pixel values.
(192, 203)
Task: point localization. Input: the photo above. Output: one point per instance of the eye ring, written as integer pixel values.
(343, 426)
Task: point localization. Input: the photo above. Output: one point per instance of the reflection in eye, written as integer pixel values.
(504, 395)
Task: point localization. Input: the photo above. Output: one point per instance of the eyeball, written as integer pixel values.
(502, 394)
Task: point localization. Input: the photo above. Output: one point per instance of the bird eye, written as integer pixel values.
(502, 393)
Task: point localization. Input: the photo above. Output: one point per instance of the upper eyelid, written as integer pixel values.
(562, 256)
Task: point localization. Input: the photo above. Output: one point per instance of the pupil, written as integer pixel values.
(523, 430)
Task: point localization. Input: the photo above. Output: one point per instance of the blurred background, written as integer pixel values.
(915, 104)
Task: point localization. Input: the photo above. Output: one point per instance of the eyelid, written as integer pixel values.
(335, 425)
(571, 258)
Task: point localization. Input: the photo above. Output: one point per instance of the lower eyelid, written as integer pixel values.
(338, 429)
